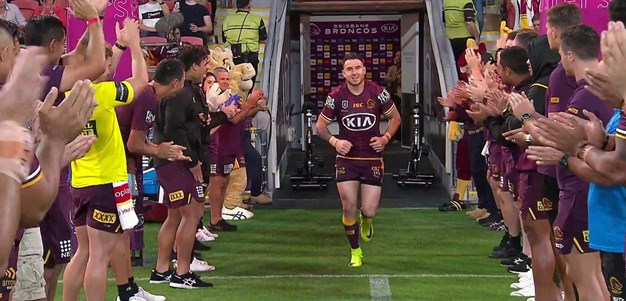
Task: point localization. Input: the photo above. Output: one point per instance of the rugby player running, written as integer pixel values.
(357, 105)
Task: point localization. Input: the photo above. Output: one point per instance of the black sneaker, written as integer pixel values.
(224, 226)
(509, 262)
(521, 267)
(198, 246)
(453, 206)
(490, 219)
(159, 278)
(503, 253)
(497, 226)
(188, 281)
(503, 242)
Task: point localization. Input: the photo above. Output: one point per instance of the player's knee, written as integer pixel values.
(348, 220)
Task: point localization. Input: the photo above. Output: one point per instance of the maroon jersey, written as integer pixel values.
(358, 116)
(560, 91)
(55, 75)
(138, 116)
(230, 137)
(582, 100)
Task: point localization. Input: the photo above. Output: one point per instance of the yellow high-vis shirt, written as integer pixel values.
(106, 161)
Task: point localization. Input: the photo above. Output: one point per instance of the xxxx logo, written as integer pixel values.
(176, 196)
(105, 218)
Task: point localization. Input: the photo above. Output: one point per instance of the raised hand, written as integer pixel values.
(614, 54)
(520, 105)
(69, 118)
(84, 9)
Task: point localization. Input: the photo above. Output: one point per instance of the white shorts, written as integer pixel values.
(30, 284)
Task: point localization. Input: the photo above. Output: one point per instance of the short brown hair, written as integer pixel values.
(564, 15)
(352, 56)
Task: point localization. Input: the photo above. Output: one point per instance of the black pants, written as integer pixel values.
(458, 47)
(478, 166)
(254, 166)
(253, 59)
(614, 274)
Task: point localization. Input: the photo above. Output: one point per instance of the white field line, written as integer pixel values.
(312, 276)
(379, 289)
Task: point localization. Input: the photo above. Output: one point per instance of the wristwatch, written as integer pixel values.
(526, 116)
(563, 161)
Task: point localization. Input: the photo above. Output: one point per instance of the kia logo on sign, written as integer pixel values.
(389, 28)
(315, 30)
(359, 122)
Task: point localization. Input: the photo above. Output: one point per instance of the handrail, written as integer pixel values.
(270, 83)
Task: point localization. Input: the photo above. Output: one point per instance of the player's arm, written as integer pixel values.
(247, 110)
(138, 144)
(10, 190)
(325, 118)
(37, 198)
(586, 173)
(611, 164)
(217, 119)
(394, 122)
(139, 79)
(89, 64)
(470, 20)
(321, 127)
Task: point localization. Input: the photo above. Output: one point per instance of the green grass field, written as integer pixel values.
(303, 255)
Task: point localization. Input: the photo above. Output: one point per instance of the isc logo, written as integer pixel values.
(359, 122)
(389, 28)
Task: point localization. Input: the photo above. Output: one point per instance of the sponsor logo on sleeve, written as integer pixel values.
(554, 100)
(330, 102)
(150, 117)
(122, 92)
(384, 96)
(573, 111)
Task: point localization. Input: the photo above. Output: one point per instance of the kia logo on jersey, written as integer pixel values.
(359, 122)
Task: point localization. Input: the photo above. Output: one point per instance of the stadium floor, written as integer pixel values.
(298, 254)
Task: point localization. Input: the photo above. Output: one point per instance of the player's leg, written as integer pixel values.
(614, 274)
(348, 192)
(579, 268)
(74, 273)
(121, 270)
(165, 241)
(104, 231)
(220, 170)
(75, 270)
(51, 273)
(185, 237)
(101, 246)
(371, 185)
